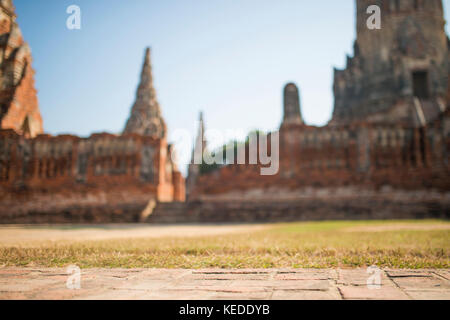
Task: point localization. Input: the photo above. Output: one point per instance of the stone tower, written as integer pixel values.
(19, 108)
(146, 118)
(200, 141)
(197, 156)
(398, 71)
(291, 103)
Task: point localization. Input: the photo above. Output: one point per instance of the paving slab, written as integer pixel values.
(230, 276)
(445, 274)
(217, 284)
(364, 293)
(422, 283)
(429, 295)
(305, 295)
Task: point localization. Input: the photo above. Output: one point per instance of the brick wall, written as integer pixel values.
(369, 156)
(52, 178)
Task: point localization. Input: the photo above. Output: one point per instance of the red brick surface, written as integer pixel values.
(371, 157)
(18, 97)
(69, 175)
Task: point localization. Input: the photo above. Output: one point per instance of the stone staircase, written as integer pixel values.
(171, 212)
(356, 208)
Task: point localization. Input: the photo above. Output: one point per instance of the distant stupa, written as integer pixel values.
(146, 118)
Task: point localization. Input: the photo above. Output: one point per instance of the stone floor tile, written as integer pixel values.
(443, 274)
(360, 292)
(429, 295)
(421, 283)
(302, 276)
(320, 285)
(229, 276)
(304, 295)
(248, 284)
(408, 273)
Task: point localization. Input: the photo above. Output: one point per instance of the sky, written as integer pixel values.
(227, 58)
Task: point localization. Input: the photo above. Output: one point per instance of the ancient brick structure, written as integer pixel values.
(102, 178)
(388, 140)
(399, 73)
(18, 99)
(384, 154)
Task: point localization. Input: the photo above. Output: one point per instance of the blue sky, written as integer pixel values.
(228, 58)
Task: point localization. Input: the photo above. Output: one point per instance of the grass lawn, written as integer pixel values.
(396, 244)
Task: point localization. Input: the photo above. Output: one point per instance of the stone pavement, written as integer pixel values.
(245, 284)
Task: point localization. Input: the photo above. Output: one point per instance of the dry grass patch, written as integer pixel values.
(297, 245)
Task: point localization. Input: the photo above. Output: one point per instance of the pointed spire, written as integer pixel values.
(202, 126)
(197, 157)
(147, 55)
(146, 118)
(200, 142)
(146, 89)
